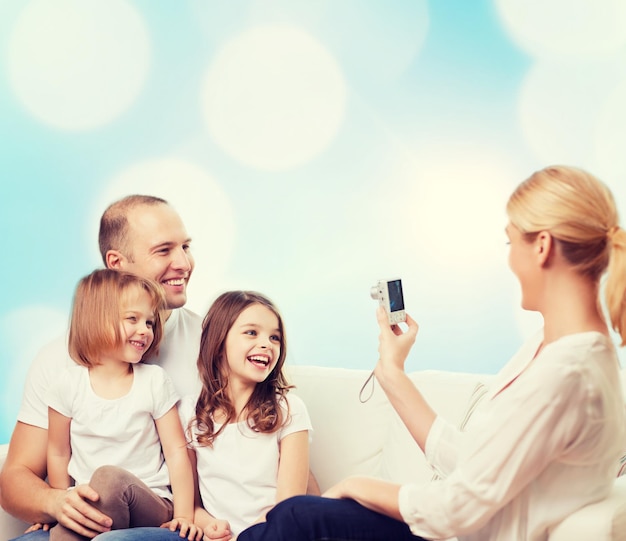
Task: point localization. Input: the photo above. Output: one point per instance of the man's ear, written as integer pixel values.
(544, 245)
(115, 260)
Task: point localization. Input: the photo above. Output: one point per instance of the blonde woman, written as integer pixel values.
(547, 438)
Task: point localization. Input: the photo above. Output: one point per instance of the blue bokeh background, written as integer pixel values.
(311, 147)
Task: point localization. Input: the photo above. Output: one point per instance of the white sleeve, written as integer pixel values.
(61, 392)
(299, 419)
(165, 396)
(186, 412)
(442, 446)
(50, 362)
(500, 455)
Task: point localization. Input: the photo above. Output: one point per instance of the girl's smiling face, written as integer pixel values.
(253, 345)
(137, 324)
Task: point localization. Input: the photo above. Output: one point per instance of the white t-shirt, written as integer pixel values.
(119, 432)
(178, 356)
(543, 442)
(237, 476)
(178, 351)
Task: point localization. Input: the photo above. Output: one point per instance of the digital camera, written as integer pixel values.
(389, 294)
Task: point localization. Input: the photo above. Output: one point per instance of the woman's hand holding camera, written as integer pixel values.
(394, 344)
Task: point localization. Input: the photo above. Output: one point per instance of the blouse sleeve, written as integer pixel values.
(442, 446)
(500, 455)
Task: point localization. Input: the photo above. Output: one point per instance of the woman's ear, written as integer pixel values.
(544, 246)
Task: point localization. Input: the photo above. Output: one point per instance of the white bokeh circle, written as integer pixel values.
(559, 105)
(563, 27)
(377, 42)
(203, 206)
(456, 219)
(455, 211)
(78, 64)
(274, 98)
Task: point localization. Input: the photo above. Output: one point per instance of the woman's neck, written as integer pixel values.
(571, 306)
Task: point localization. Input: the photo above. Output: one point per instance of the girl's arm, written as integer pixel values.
(212, 528)
(59, 450)
(175, 452)
(394, 347)
(293, 468)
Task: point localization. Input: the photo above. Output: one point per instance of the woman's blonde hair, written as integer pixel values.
(96, 314)
(579, 212)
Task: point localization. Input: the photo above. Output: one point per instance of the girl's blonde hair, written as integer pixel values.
(263, 412)
(579, 212)
(96, 314)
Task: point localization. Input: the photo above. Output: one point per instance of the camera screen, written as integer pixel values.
(396, 300)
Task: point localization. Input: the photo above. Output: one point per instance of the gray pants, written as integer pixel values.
(124, 498)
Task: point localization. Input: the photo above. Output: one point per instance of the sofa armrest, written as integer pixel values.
(10, 527)
(600, 521)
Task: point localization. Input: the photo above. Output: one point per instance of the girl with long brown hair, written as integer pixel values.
(249, 438)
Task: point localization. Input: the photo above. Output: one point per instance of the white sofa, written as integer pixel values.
(351, 437)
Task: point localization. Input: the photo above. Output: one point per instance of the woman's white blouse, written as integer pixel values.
(543, 442)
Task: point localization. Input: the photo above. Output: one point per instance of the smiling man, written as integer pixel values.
(146, 236)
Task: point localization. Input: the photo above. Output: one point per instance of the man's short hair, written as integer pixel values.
(113, 234)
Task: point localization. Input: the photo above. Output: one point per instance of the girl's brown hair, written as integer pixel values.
(96, 313)
(263, 413)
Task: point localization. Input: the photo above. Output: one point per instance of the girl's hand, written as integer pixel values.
(393, 343)
(187, 529)
(217, 530)
(38, 526)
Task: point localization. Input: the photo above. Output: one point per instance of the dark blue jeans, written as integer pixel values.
(312, 518)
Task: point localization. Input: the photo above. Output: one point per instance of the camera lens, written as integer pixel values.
(374, 293)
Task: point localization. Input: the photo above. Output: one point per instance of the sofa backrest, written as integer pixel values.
(351, 437)
(449, 394)
(348, 436)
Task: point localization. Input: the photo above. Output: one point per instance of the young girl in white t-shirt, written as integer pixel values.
(249, 439)
(113, 421)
